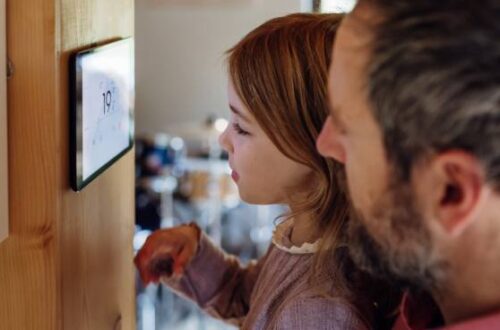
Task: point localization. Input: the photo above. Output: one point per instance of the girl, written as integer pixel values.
(277, 97)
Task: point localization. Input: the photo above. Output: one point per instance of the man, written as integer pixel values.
(415, 97)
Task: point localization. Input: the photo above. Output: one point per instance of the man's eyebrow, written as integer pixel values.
(237, 112)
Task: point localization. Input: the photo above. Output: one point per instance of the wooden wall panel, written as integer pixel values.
(67, 263)
(28, 263)
(4, 177)
(97, 271)
(98, 223)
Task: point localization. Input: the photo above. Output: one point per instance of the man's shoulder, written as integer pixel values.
(418, 311)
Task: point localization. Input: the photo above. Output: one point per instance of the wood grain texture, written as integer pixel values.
(67, 263)
(98, 223)
(96, 252)
(4, 175)
(28, 262)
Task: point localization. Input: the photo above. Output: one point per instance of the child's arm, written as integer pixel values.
(187, 261)
(217, 282)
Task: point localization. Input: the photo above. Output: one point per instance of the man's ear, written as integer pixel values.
(455, 182)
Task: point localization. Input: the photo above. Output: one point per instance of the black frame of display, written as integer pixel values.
(75, 78)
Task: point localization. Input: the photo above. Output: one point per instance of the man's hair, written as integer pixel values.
(434, 80)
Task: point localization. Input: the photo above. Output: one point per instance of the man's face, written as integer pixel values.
(387, 232)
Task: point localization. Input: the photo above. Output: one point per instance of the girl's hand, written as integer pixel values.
(167, 252)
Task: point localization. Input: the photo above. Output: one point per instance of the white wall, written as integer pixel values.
(180, 68)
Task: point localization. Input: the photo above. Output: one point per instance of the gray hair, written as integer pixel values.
(434, 80)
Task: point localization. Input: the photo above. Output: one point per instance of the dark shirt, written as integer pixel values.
(421, 312)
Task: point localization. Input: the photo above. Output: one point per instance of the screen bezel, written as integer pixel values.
(76, 140)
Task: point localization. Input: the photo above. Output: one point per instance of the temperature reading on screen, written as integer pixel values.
(106, 101)
(102, 109)
(107, 82)
(109, 94)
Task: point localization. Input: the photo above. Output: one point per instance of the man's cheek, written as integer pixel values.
(355, 186)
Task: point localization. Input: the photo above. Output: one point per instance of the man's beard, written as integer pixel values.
(404, 251)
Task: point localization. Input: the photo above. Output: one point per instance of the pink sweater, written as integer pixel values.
(271, 293)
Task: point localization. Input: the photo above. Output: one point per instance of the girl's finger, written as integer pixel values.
(182, 259)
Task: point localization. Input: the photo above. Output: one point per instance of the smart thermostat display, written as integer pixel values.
(102, 106)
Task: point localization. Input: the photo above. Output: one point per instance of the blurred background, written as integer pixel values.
(182, 174)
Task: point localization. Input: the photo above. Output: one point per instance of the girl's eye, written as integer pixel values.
(239, 130)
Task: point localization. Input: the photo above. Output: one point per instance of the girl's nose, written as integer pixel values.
(224, 140)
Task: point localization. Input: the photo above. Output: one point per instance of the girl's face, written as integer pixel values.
(262, 173)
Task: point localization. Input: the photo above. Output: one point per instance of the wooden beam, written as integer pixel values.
(4, 175)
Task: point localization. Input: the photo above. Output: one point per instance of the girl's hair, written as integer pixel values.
(280, 72)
